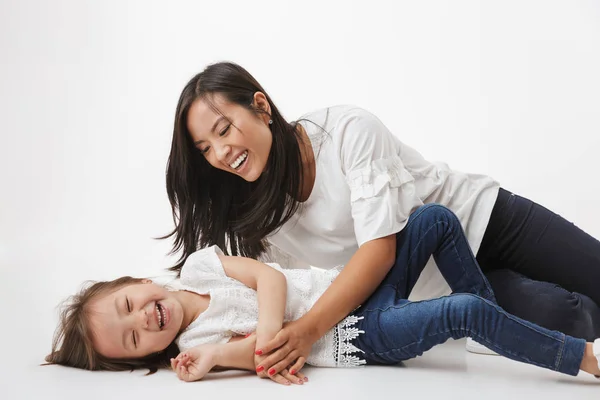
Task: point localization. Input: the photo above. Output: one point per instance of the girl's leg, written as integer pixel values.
(404, 330)
(433, 230)
(539, 244)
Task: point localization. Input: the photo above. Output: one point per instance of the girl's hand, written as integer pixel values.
(195, 363)
(290, 347)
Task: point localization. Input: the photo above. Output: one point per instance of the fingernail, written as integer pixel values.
(258, 352)
(247, 335)
(305, 379)
(293, 372)
(287, 382)
(259, 368)
(272, 371)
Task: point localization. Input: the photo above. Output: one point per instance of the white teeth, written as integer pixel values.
(239, 160)
(160, 319)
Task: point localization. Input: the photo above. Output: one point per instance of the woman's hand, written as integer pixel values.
(284, 377)
(289, 348)
(194, 364)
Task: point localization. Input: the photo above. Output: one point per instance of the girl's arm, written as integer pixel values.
(194, 364)
(271, 288)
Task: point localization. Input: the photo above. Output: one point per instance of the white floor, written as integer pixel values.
(446, 372)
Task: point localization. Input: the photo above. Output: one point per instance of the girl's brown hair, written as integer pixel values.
(72, 345)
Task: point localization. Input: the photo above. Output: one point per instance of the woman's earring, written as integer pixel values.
(270, 122)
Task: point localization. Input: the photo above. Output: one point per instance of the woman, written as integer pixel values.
(336, 188)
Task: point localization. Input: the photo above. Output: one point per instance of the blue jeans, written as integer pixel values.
(396, 329)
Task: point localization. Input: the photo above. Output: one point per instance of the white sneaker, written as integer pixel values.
(474, 347)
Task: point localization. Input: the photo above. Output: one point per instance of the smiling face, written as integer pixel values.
(238, 140)
(135, 320)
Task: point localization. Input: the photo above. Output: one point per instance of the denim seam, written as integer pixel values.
(454, 246)
(468, 294)
(472, 335)
(421, 239)
(486, 284)
(559, 356)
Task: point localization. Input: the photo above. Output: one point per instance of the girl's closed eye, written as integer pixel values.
(128, 305)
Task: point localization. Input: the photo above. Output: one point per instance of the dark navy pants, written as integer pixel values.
(542, 267)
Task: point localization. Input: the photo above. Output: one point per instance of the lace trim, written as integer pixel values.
(343, 334)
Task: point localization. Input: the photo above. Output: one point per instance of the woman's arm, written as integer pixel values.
(355, 283)
(382, 196)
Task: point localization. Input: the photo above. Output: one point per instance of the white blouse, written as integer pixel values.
(367, 184)
(233, 308)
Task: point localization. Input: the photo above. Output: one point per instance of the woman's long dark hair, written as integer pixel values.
(211, 206)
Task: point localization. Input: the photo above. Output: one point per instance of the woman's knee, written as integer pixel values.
(546, 304)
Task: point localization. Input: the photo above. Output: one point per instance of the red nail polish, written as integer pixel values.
(272, 371)
(258, 352)
(259, 368)
(293, 372)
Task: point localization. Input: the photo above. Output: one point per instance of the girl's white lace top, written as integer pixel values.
(233, 308)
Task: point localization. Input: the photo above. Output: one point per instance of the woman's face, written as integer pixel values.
(238, 141)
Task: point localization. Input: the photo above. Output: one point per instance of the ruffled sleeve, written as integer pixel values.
(382, 190)
(203, 270)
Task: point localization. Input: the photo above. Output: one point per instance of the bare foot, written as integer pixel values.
(590, 362)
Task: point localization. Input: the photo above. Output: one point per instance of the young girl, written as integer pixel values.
(336, 188)
(134, 323)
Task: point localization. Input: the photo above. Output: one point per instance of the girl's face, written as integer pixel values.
(135, 321)
(238, 141)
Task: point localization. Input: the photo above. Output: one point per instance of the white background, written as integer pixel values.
(88, 91)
